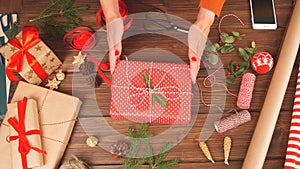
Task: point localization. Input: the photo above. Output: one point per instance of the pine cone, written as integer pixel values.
(87, 68)
(119, 149)
(94, 80)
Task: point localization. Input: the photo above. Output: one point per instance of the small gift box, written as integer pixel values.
(26, 149)
(151, 92)
(57, 116)
(29, 56)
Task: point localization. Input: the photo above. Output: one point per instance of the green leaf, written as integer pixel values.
(168, 164)
(227, 48)
(163, 153)
(131, 132)
(243, 68)
(250, 51)
(147, 80)
(158, 98)
(253, 44)
(223, 36)
(213, 59)
(244, 54)
(230, 79)
(229, 39)
(231, 68)
(216, 46)
(235, 33)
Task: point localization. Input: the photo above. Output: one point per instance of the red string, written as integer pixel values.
(223, 17)
(24, 146)
(123, 12)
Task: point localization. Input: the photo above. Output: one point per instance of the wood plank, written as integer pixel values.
(269, 164)
(186, 151)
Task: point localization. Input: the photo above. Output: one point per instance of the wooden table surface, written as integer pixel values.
(186, 151)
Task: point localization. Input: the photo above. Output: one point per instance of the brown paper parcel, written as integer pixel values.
(31, 122)
(57, 114)
(43, 54)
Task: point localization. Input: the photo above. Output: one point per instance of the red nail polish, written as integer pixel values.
(194, 59)
(117, 53)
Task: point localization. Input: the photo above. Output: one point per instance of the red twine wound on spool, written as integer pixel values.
(246, 89)
(232, 121)
(24, 146)
(123, 12)
(81, 38)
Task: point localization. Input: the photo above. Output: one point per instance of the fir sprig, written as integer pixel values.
(139, 137)
(50, 19)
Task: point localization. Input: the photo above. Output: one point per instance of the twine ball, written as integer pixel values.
(262, 62)
(74, 163)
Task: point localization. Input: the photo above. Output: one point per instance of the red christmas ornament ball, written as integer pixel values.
(262, 62)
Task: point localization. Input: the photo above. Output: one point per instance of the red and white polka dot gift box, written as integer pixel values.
(133, 99)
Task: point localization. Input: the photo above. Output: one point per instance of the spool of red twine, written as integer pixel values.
(232, 121)
(246, 89)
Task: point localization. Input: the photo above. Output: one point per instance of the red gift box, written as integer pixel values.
(132, 98)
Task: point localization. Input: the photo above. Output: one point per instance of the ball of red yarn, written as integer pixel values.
(262, 62)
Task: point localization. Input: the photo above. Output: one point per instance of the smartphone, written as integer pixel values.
(263, 14)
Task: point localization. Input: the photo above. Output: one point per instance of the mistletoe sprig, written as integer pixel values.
(155, 97)
(225, 45)
(140, 138)
(237, 70)
(50, 19)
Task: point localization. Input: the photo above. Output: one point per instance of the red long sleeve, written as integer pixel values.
(213, 5)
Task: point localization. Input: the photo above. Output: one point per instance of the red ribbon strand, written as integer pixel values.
(24, 146)
(30, 38)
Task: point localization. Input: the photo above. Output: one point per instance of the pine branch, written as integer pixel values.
(49, 19)
(134, 163)
(163, 153)
(168, 164)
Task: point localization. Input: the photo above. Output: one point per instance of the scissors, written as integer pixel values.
(7, 20)
(162, 20)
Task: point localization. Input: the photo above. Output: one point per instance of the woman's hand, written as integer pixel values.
(115, 30)
(197, 38)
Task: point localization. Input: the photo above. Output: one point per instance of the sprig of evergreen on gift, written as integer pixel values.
(58, 17)
(140, 139)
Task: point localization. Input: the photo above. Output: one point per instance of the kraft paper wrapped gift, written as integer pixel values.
(133, 99)
(29, 56)
(30, 119)
(57, 114)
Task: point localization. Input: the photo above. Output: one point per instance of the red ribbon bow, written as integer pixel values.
(24, 146)
(29, 39)
(123, 12)
(81, 38)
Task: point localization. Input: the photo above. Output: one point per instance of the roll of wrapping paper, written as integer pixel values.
(262, 136)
